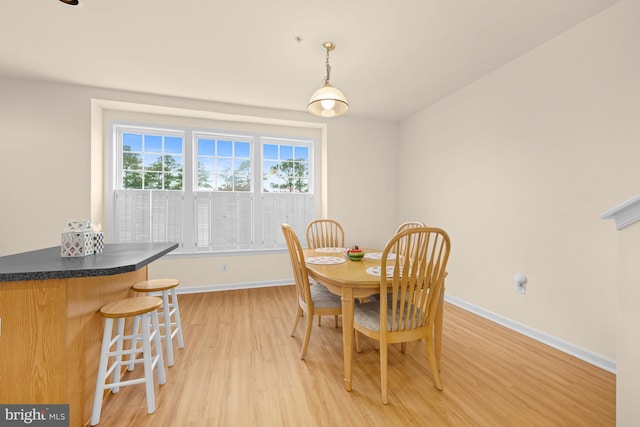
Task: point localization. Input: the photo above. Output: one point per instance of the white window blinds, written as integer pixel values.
(294, 209)
(223, 221)
(148, 216)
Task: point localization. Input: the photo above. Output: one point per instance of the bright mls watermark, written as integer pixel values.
(34, 415)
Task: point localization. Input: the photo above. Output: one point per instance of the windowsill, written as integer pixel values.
(179, 255)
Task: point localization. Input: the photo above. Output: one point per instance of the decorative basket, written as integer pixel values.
(78, 238)
(77, 243)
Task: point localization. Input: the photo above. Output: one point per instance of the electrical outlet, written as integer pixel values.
(225, 268)
(521, 283)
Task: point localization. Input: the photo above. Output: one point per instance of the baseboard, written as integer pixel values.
(582, 354)
(231, 286)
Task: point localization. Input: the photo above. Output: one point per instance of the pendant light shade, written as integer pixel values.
(71, 2)
(328, 101)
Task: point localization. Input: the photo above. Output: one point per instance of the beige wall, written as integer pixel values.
(44, 163)
(518, 167)
(47, 168)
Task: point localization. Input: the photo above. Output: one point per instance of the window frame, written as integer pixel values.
(190, 177)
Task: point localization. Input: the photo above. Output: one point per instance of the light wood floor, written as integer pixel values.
(240, 367)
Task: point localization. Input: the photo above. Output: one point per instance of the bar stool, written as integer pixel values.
(146, 309)
(167, 288)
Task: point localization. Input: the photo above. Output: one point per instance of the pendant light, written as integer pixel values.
(328, 101)
(71, 2)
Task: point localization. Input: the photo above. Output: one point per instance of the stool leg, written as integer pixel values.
(102, 372)
(148, 369)
(166, 311)
(158, 346)
(135, 330)
(176, 316)
(118, 354)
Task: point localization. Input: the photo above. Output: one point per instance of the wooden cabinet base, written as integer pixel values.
(50, 339)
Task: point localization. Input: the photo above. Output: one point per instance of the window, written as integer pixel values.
(285, 168)
(224, 163)
(151, 161)
(210, 191)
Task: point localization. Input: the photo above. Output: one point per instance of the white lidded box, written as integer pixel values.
(77, 238)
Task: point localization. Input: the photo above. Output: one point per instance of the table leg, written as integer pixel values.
(347, 334)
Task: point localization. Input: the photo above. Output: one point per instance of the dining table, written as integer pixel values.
(355, 280)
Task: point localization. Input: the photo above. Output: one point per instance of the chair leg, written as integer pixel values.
(336, 320)
(431, 355)
(403, 347)
(118, 356)
(319, 320)
(383, 371)
(148, 369)
(102, 372)
(166, 314)
(295, 324)
(358, 348)
(135, 330)
(307, 335)
(176, 316)
(157, 343)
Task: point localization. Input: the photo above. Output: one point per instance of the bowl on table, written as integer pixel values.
(355, 254)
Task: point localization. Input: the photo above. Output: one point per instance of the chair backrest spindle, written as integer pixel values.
(324, 233)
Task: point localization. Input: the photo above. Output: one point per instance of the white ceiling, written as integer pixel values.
(392, 58)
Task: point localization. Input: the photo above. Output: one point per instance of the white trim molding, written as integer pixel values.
(231, 286)
(625, 214)
(565, 347)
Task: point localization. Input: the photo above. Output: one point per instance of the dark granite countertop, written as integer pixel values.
(47, 263)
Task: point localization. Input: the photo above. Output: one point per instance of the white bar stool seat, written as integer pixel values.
(170, 312)
(145, 308)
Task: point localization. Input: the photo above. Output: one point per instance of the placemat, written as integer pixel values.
(330, 250)
(378, 255)
(375, 271)
(324, 260)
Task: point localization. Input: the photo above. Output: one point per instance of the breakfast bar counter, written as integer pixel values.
(50, 329)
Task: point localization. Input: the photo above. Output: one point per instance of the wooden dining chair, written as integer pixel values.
(325, 233)
(402, 227)
(313, 300)
(408, 225)
(410, 296)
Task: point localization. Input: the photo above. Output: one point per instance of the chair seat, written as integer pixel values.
(129, 307)
(155, 285)
(368, 315)
(323, 298)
